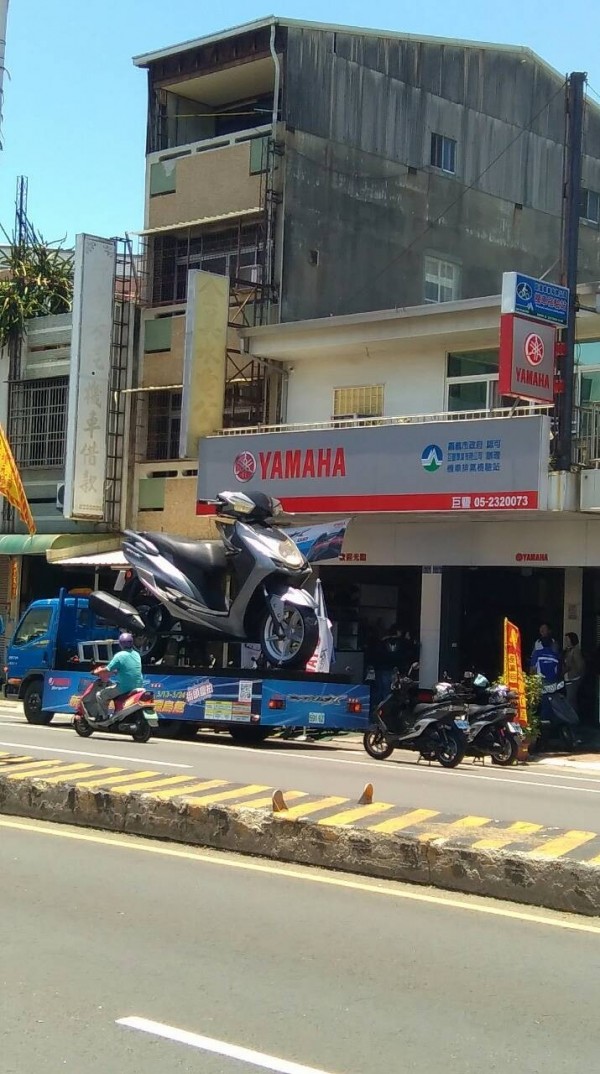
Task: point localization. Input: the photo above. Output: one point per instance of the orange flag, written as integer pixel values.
(11, 486)
(513, 667)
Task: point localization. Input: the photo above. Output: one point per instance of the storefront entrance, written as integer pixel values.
(475, 602)
(364, 602)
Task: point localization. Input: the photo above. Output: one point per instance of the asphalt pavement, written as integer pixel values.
(535, 793)
(121, 955)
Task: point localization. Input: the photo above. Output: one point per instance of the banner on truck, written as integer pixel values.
(513, 668)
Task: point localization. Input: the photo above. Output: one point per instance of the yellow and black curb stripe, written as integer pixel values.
(364, 814)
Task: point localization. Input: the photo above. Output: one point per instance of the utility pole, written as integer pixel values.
(569, 258)
(3, 22)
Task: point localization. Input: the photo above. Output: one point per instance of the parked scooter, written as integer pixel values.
(400, 722)
(133, 714)
(184, 586)
(558, 720)
(491, 729)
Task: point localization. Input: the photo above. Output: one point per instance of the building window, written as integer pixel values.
(235, 252)
(443, 153)
(590, 206)
(38, 421)
(362, 402)
(472, 381)
(164, 425)
(441, 280)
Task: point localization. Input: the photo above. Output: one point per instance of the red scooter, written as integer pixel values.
(133, 713)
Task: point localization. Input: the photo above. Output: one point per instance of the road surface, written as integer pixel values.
(125, 956)
(536, 792)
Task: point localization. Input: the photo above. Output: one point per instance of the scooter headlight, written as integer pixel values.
(289, 553)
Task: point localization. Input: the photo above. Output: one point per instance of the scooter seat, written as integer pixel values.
(201, 555)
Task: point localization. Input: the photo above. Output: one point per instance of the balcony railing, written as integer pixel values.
(587, 442)
(524, 411)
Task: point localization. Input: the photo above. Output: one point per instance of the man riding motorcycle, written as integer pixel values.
(127, 668)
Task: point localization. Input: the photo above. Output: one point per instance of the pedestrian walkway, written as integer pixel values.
(478, 832)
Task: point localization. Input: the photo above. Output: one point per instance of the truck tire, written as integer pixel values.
(32, 704)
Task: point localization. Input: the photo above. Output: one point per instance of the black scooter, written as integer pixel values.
(429, 728)
(490, 712)
(558, 720)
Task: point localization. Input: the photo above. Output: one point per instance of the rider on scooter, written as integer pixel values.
(127, 666)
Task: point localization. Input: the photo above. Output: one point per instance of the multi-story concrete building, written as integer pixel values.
(328, 170)
(47, 399)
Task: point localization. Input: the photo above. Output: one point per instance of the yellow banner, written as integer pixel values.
(513, 667)
(11, 486)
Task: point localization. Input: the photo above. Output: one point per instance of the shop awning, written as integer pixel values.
(114, 560)
(83, 546)
(57, 546)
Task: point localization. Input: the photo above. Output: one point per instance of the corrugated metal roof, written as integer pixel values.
(145, 59)
(201, 220)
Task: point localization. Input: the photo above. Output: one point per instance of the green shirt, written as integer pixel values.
(127, 666)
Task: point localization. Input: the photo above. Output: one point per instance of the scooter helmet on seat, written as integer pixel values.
(126, 641)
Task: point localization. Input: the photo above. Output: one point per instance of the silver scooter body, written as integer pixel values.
(264, 563)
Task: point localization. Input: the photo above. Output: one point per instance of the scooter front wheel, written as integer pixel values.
(376, 744)
(83, 728)
(299, 641)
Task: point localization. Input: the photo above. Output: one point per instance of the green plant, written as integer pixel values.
(36, 279)
(533, 695)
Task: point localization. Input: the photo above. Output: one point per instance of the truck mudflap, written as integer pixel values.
(228, 699)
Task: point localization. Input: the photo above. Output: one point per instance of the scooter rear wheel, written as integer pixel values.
(451, 749)
(376, 745)
(142, 732)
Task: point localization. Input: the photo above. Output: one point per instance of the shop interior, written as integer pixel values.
(363, 603)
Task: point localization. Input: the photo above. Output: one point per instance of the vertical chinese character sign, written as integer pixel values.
(89, 377)
(11, 486)
(513, 667)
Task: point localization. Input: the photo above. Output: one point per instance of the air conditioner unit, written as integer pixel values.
(60, 496)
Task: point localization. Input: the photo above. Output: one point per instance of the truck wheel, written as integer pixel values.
(249, 736)
(32, 704)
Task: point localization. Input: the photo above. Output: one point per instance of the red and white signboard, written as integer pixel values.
(527, 352)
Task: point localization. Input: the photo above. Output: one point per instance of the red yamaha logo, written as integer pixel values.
(534, 349)
(244, 466)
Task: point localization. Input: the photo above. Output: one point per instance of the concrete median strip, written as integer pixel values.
(521, 861)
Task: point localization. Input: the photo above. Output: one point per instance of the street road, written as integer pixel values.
(536, 792)
(112, 946)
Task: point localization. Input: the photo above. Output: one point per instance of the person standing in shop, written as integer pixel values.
(573, 667)
(544, 640)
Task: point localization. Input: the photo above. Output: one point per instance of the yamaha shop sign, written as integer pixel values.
(457, 466)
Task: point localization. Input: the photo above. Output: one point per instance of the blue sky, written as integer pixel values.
(75, 107)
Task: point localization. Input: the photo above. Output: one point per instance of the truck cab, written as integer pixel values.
(60, 632)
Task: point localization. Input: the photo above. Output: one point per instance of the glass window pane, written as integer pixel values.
(469, 396)
(472, 363)
(590, 388)
(588, 353)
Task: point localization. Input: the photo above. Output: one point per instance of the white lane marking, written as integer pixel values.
(97, 756)
(217, 1047)
(414, 769)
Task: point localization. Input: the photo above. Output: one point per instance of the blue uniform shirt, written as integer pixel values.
(127, 666)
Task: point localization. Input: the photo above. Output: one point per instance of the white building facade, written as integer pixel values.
(457, 516)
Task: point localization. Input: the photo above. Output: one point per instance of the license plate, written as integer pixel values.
(463, 725)
(514, 728)
(152, 720)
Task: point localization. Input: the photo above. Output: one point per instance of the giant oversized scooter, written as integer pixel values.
(182, 585)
